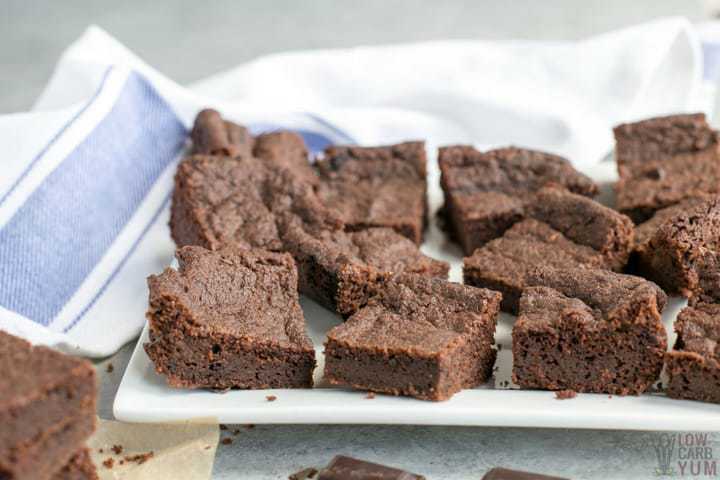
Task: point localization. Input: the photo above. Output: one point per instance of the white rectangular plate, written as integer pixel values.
(143, 395)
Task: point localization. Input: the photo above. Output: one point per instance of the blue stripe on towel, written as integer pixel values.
(61, 232)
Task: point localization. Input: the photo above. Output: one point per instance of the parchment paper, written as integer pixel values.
(179, 451)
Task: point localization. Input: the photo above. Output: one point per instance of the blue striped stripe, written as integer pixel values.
(61, 232)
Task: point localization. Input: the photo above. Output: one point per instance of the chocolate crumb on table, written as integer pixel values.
(342, 467)
(416, 336)
(108, 463)
(562, 230)
(229, 319)
(377, 186)
(139, 458)
(499, 473)
(678, 248)
(663, 161)
(226, 441)
(487, 192)
(271, 398)
(565, 394)
(47, 408)
(693, 365)
(117, 449)
(110, 368)
(589, 330)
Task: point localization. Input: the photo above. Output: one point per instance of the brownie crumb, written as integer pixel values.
(117, 449)
(226, 441)
(140, 458)
(271, 398)
(304, 474)
(122, 462)
(110, 368)
(223, 427)
(370, 395)
(100, 450)
(565, 394)
(108, 463)
(207, 447)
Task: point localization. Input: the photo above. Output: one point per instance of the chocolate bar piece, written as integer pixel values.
(344, 468)
(662, 161)
(486, 192)
(47, 408)
(417, 336)
(507, 474)
(229, 319)
(377, 186)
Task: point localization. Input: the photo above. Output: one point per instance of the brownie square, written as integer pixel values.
(416, 336)
(377, 187)
(563, 229)
(220, 201)
(229, 319)
(47, 408)
(79, 467)
(486, 192)
(588, 330)
(321, 256)
(678, 247)
(213, 136)
(693, 366)
(664, 160)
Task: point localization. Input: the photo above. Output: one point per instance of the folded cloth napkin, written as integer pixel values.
(88, 171)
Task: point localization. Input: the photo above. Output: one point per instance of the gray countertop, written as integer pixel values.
(189, 40)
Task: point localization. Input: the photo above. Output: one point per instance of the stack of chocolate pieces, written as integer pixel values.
(47, 412)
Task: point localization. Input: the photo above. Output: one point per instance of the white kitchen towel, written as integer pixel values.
(87, 173)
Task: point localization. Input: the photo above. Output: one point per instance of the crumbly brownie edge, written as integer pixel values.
(624, 356)
(465, 365)
(79, 467)
(31, 422)
(40, 460)
(692, 377)
(190, 359)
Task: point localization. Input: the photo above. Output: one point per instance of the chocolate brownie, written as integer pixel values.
(662, 161)
(377, 186)
(287, 150)
(80, 467)
(211, 135)
(47, 408)
(221, 201)
(344, 468)
(486, 192)
(321, 256)
(506, 474)
(693, 366)
(229, 318)
(678, 247)
(588, 330)
(568, 230)
(416, 336)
